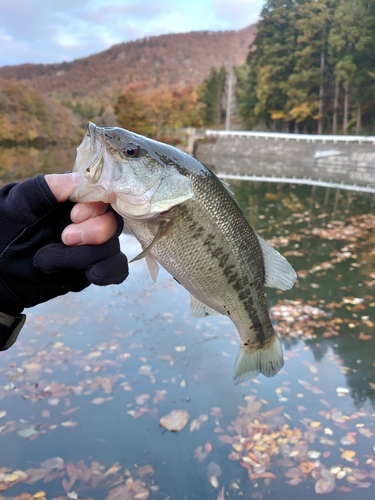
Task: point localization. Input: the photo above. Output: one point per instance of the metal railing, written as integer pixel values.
(299, 180)
(358, 139)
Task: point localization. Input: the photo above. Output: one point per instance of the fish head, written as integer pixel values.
(139, 177)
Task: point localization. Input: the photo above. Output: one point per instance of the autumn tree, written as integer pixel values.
(26, 117)
(150, 111)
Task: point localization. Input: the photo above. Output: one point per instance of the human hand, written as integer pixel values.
(92, 223)
(35, 265)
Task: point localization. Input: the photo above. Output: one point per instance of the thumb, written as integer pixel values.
(63, 185)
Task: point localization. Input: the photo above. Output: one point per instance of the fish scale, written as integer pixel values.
(187, 221)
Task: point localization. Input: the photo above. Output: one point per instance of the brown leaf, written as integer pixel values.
(175, 420)
(307, 467)
(146, 469)
(142, 399)
(365, 432)
(221, 493)
(293, 472)
(324, 486)
(363, 336)
(23, 496)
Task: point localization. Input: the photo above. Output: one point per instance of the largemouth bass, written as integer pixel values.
(187, 220)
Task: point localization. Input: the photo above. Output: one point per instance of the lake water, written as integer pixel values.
(83, 390)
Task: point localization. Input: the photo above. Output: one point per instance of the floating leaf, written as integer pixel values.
(214, 482)
(27, 432)
(69, 423)
(98, 401)
(53, 401)
(40, 494)
(307, 467)
(142, 399)
(175, 420)
(348, 455)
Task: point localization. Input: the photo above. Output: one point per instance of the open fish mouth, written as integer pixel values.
(96, 151)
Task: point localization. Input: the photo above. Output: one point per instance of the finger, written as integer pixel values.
(63, 185)
(83, 211)
(58, 257)
(94, 231)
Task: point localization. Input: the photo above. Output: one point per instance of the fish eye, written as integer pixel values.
(131, 150)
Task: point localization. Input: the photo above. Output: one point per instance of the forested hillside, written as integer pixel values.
(92, 83)
(28, 117)
(311, 68)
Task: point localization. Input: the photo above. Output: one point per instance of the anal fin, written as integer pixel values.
(200, 310)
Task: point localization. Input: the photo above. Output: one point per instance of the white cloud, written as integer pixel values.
(237, 13)
(46, 31)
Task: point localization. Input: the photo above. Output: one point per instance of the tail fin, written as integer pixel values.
(250, 362)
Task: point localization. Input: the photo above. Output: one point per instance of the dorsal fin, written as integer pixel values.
(278, 272)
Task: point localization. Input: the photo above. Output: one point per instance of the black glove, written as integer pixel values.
(35, 265)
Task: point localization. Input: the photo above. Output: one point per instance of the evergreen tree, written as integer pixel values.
(271, 61)
(312, 63)
(211, 96)
(306, 84)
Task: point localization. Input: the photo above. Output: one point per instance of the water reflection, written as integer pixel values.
(82, 391)
(21, 162)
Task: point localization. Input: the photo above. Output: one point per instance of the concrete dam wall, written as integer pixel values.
(330, 158)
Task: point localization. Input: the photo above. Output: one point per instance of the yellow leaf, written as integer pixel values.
(348, 455)
(315, 424)
(40, 494)
(10, 478)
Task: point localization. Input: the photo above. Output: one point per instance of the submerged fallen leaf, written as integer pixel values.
(175, 420)
(146, 469)
(53, 463)
(221, 493)
(324, 486)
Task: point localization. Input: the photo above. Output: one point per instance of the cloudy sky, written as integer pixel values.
(48, 31)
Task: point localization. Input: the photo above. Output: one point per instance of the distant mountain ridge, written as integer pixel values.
(174, 59)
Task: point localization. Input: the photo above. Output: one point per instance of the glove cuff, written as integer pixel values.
(10, 327)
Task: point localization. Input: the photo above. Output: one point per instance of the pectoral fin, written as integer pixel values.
(159, 235)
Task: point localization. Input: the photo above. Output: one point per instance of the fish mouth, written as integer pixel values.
(96, 152)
